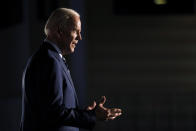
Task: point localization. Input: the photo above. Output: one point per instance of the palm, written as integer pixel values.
(103, 113)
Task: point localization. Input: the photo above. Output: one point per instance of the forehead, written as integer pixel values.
(74, 23)
(77, 22)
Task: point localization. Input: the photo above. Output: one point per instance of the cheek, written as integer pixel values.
(71, 38)
(68, 38)
(69, 41)
(74, 35)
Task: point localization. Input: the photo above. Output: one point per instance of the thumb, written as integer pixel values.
(102, 101)
(91, 107)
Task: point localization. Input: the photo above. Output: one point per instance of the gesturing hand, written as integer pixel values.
(103, 113)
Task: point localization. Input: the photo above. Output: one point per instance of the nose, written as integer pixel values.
(79, 36)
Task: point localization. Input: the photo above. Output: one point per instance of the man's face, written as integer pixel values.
(71, 36)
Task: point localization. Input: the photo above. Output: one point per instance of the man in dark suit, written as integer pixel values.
(49, 99)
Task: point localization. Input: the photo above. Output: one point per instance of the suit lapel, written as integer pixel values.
(70, 79)
(67, 73)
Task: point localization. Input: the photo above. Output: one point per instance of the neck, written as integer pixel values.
(56, 42)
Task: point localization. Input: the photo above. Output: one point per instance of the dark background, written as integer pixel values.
(140, 55)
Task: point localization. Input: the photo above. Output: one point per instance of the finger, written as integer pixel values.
(94, 104)
(103, 100)
(91, 107)
(115, 110)
(114, 114)
(110, 118)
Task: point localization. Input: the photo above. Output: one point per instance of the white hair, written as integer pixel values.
(59, 18)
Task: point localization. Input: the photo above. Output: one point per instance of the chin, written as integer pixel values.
(72, 50)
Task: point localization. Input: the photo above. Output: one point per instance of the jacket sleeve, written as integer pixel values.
(49, 87)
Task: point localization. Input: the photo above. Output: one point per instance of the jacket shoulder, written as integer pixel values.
(43, 57)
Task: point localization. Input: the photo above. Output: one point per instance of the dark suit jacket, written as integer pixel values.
(49, 98)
